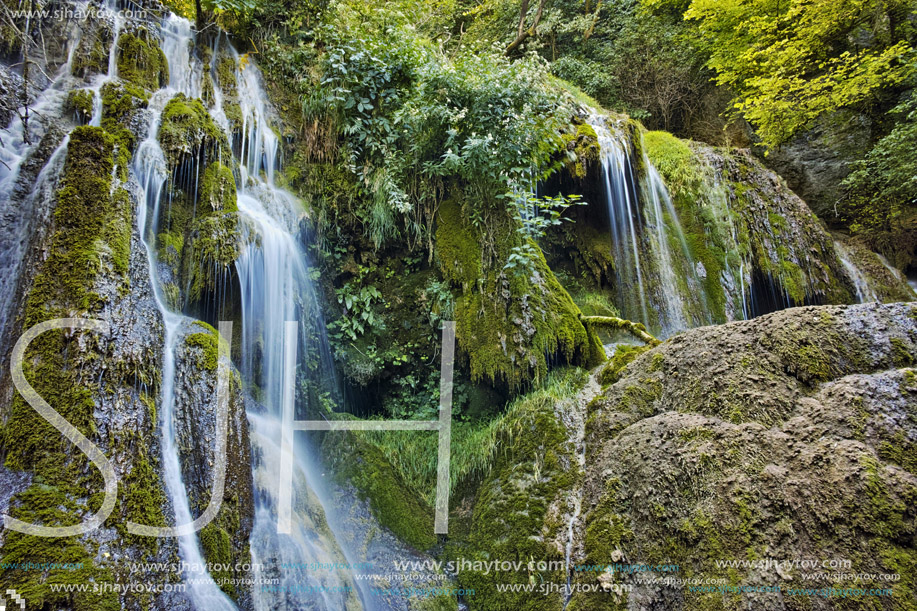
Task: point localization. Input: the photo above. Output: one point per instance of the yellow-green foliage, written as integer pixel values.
(141, 62)
(791, 62)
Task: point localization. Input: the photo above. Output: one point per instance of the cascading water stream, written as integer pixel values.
(276, 287)
(654, 286)
(864, 293)
(620, 195)
(150, 168)
(18, 143)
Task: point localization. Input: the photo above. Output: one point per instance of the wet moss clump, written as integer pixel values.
(91, 56)
(581, 145)
(212, 247)
(509, 322)
(217, 189)
(141, 62)
(188, 132)
(80, 103)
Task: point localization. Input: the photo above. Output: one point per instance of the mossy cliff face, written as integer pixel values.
(508, 321)
(199, 238)
(519, 510)
(785, 437)
(225, 540)
(102, 384)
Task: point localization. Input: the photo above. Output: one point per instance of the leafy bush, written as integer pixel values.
(416, 122)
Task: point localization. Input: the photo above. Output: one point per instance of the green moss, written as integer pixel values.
(675, 161)
(142, 497)
(212, 247)
(188, 129)
(53, 506)
(141, 62)
(91, 56)
(226, 75)
(458, 245)
(217, 547)
(217, 189)
(120, 104)
(208, 344)
(582, 148)
(391, 500)
(900, 451)
(900, 353)
(89, 229)
(508, 323)
(80, 103)
(515, 511)
(624, 355)
(83, 206)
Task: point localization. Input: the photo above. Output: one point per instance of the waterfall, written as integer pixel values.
(276, 287)
(864, 293)
(655, 274)
(150, 168)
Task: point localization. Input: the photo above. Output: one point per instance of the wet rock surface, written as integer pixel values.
(789, 437)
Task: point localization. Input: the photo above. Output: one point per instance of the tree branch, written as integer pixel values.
(619, 324)
(526, 34)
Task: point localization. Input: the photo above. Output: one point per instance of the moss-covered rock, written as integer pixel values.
(187, 130)
(393, 503)
(777, 438)
(212, 247)
(80, 102)
(90, 242)
(141, 62)
(582, 148)
(217, 189)
(91, 55)
(508, 322)
(520, 507)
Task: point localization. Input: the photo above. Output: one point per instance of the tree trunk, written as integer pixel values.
(524, 34)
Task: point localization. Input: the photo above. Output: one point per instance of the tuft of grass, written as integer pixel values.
(475, 445)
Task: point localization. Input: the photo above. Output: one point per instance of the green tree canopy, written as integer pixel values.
(791, 61)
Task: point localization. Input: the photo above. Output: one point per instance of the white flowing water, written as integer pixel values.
(19, 142)
(864, 293)
(150, 168)
(276, 287)
(621, 198)
(654, 286)
(111, 9)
